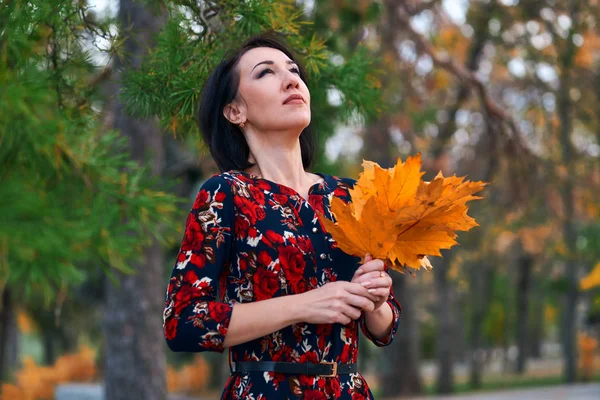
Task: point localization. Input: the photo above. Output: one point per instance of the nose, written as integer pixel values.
(292, 80)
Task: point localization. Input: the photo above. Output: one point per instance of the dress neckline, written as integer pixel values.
(314, 187)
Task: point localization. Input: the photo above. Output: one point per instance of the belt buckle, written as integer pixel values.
(333, 373)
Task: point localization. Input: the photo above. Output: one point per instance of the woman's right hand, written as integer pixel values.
(335, 302)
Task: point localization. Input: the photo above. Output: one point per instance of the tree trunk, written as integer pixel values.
(569, 233)
(482, 282)
(536, 333)
(135, 358)
(9, 336)
(523, 289)
(401, 375)
(446, 328)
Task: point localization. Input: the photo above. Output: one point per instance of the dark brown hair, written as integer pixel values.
(225, 140)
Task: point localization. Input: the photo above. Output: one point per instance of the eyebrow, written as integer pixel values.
(271, 62)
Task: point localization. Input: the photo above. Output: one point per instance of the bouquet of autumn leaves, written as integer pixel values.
(396, 216)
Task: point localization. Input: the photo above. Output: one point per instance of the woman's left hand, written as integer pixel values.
(379, 282)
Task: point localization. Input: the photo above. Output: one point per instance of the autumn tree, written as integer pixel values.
(66, 183)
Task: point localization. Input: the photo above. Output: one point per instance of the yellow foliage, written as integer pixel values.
(587, 346)
(550, 314)
(25, 324)
(34, 382)
(592, 280)
(191, 379)
(534, 238)
(588, 52)
(397, 217)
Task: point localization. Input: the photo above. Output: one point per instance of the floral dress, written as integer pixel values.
(248, 239)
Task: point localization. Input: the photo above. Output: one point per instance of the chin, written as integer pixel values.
(296, 124)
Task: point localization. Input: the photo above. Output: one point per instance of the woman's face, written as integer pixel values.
(267, 78)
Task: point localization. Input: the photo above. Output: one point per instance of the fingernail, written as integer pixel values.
(365, 284)
(359, 271)
(371, 290)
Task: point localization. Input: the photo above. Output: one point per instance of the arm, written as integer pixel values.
(194, 320)
(254, 320)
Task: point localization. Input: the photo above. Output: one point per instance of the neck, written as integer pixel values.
(278, 161)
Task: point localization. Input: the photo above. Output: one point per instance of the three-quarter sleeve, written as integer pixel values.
(194, 320)
(396, 312)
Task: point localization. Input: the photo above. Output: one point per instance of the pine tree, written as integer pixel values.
(197, 36)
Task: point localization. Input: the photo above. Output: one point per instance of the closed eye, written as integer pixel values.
(264, 71)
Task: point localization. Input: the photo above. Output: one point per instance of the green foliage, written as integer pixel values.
(70, 198)
(170, 80)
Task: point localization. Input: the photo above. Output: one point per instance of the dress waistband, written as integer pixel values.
(323, 369)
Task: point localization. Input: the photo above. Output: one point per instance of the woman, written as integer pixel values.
(290, 302)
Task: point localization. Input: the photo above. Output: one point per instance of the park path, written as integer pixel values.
(588, 391)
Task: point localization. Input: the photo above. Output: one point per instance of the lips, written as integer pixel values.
(294, 97)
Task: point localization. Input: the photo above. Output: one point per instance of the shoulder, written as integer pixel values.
(345, 182)
(216, 181)
(216, 187)
(342, 186)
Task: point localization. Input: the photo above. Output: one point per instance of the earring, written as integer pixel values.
(241, 125)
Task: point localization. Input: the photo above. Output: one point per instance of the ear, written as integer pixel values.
(234, 113)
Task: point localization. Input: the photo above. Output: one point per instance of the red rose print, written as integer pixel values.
(281, 199)
(309, 357)
(183, 297)
(190, 277)
(194, 237)
(241, 226)
(306, 380)
(199, 260)
(305, 244)
(316, 202)
(220, 197)
(243, 264)
(314, 395)
(201, 199)
(246, 208)
(260, 213)
(273, 238)
(223, 261)
(218, 311)
(292, 262)
(252, 232)
(264, 258)
(263, 185)
(334, 387)
(299, 286)
(265, 284)
(286, 190)
(257, 194)
(339, 192)
(171, 328)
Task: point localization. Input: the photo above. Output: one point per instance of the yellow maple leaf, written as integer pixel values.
(396, 216)
(591, 280)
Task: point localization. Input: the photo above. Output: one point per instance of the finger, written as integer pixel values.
(352, 312)
(359, 271)
(379, 292)
(359, 303)
(360, 291)
(373, 265)
(374, 279)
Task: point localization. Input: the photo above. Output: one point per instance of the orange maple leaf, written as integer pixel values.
(396, 216)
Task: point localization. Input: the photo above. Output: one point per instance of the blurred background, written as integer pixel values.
(101, 160)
